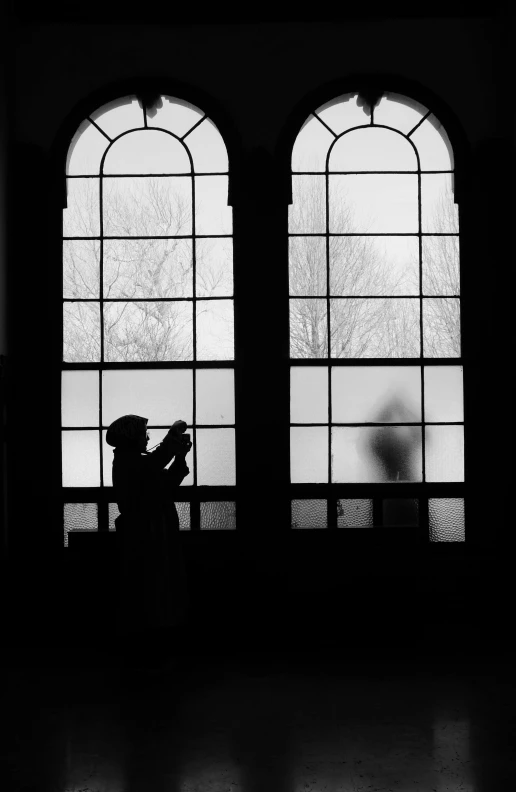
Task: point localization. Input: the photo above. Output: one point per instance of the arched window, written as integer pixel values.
(148, 302)
(377, 419)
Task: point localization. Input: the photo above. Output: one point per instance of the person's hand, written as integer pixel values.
(178, 428)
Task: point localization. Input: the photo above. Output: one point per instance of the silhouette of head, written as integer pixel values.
(129, 433)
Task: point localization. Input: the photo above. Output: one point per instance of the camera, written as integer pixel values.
(185, 438)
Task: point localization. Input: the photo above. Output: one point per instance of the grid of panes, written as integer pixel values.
(374, 285)
(147, 288)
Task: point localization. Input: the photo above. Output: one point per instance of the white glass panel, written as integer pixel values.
(216, 457)
(175, 115)
(441, 327)
(147, 151)
(156, 436)
(342, 113)
(81, 332)
(308, 329)
(439, 212)
(309, 513)
(399, 112)
(215, 330)
(375, 328)
(368, 265)
(372, 149)
(443, 393)
(212, 213)
(309, 394)
(214, 267)
(446, 519)
(160, 395)
(86, 150)
(215, 396)
(433, 145)
(79, 517)
(307, 212)
(374, 203)
(311, 146)
(81, 218)
(119, 116)
(309, 454)
(152, 206)
(81, 268)
(376, 394)
(80, 398)
(440, 255)
(146, 331)
(376, 454)
(307, 266)
(81, 459)
(148, 268)
(444, 450)
(207, 148)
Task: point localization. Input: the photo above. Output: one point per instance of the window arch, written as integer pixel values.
(377, 418)
(148, 322)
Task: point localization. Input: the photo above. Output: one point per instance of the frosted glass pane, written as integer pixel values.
(308, 329)
(81, 332)
(444, 393)
(113, 513)
(355, 513)
(81, 218)
(147, 151)
(376, 454)
(372, 149)
(307, 266)
(79, 517)
(183, 512)
(446, 519)
(375, 328)
(81, 269)
(175, 115)
(440, 256)
(439, 212)
(309, 394)
(207, 148)
(309, 454)
(212, 213)
(156, 436)
(163, 396)
(370, 203)
(86, 150)
(152, 206)
(444, 450)
(214, 267)
(119, 115)
(80, 398)
(148, 268)
(342, 113)
(398, 112)
(363, 265)
(215, 330)
(433, 145)
(146, 331)
(216, 457)
(307, 212)
(376, 394)
(309, 514)
(311, 146)
(441, 327)
(218, 515)
(400, 512)
(215, 396)
(81, 458)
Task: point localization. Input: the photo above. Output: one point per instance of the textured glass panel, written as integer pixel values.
(215, 396)
(433, 145)
(216, 457)
(81, 218)
(376, 394)
(218, 515)
(215, 330)
(374, 203)
(86, 150)
(174, 115)
(147, 206)
(362, 265)
(119, 115)
(399, 512)
(156, 436)
(308, 394)
(446, 519)
(146, 331)
(148, 268)
(342, 113)
(384, 328)
(81, 269)
(212, 213)
(79, 517)
(372, 149)
(398, 112)
(309, 514)
(355, 513)
(307, 266)
(207, 148)
(441, 327)
(81, 332)
(311, 146)
(444, 451)
(183, 512)
(376, 454)
(163, 395)
(81, 458)
(214, 267)
(80, 398)
(440, 256)
(309, 454)
(113, 513)
(443, 393)
(308, 328)
(147, 151)
(307, 212)
(440, 214)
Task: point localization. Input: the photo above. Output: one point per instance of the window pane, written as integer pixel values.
(441, 327)
(433, 145)
(215, 330)
(372, 204)
(81, 458)
(308, 329)
(342, 113)
(212, 213)
(163, 396)
(113, 513)
(311, 146)
(152, 206)
(216, 457)
(307, 266)
(80, 398)
(363, 265)
(443, 393)
(86, 150)
(376, 394)
(175, 115)
(207, 148)
(308, 394)
(440, 255)
(375, 328)
(79, 517)
(355, 513)
(309, 514)
(148, 268)
(372, 149)
(156, 437)
(376, 454)
(81, 269)
(119, 115)
(309, 454)
(215, 396)
(444, 449)
(307, 212)
(439, 212)
(81, 332)
(446, 519)
(81, 218)
(147, 151)
(146, 331)
(214, 267)
(183, 512)
(400, 512)
(399, 112)
(218, 515)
